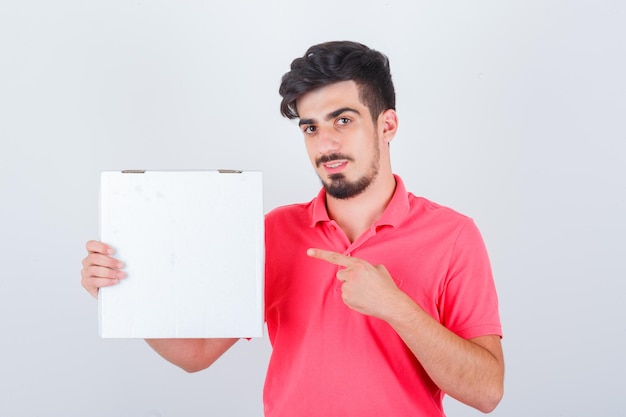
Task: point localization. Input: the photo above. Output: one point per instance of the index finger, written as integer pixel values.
(332, 257)
(99, 247)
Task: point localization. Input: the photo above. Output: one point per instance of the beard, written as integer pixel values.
(339, 187)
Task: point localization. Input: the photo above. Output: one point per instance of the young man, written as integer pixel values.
(377, 301)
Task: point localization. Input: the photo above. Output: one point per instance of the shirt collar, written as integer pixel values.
(396, 210)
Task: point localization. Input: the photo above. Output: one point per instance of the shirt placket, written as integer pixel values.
(346, 247)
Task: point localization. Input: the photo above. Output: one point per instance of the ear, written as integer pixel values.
(388, 122)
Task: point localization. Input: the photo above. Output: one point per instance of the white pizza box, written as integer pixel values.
(193, 246)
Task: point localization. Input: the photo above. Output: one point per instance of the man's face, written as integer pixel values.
(341, 138)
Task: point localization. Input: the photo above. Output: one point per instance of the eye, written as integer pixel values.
(307, 130)
(342, 121)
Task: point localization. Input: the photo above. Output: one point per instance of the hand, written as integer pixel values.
(99, 268)
(365, 288)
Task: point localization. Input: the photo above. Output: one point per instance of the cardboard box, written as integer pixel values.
(193, 245)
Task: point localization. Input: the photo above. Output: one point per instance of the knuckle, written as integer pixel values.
(90, 259)
(104, 272)
(88, 270)
(83, 283)
(93, 271)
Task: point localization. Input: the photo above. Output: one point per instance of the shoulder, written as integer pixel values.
(291, 213)
(428, 210)
(440, 223)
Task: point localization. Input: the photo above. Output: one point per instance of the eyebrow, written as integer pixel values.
(329, 116)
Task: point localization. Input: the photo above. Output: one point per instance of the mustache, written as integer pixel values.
(331, 157)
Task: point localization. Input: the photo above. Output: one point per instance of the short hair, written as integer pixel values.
(336, 61)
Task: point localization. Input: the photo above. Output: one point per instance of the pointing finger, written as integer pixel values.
(332, 257)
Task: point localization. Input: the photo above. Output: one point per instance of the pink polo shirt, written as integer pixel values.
(329, 360)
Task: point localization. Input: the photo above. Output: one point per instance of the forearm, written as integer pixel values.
(472, 371)
(192, 355)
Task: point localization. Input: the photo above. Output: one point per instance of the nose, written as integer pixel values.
(327, 141)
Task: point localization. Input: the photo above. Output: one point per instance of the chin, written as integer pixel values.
(342, 189)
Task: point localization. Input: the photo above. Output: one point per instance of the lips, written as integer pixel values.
(333, 161)
(333, 167)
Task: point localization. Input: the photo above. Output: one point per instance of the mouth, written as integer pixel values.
(333, 163)
(334, 167)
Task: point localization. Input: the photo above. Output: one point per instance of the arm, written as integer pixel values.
(472, 371)
(100, 269)
(192, 355)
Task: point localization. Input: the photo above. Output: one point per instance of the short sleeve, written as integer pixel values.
(469, 302)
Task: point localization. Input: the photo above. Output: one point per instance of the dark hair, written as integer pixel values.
(332, 62)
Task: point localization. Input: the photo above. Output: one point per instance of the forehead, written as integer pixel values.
(323, 100)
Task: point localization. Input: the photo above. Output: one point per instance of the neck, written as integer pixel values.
(357, 214)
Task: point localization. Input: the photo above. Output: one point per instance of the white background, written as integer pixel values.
(510, 112)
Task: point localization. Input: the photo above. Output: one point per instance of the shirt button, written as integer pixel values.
(333, 228)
